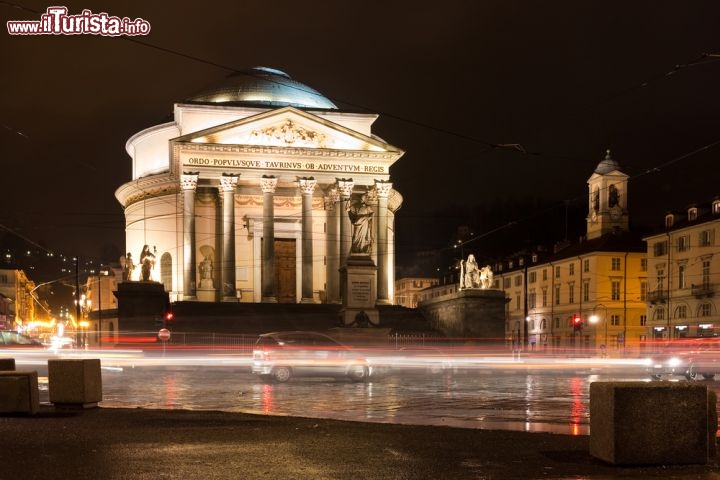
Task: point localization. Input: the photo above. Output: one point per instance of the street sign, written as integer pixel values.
(164, 334)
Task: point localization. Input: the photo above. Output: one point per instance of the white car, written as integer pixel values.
(280, 356)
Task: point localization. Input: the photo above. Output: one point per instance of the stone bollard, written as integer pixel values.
(75, 382)
(7, 364)
(652, 423)
(19, 392)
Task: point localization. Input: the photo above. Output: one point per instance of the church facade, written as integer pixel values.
(249, 193)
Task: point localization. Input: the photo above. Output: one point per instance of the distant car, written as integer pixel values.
(280, 356)
(57, 342)
(9, 339)
(688, 358)
(666, 364)
(702, 358)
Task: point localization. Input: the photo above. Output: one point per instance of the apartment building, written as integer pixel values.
(684, 273)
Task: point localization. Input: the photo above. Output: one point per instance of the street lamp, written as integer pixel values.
(594, 319)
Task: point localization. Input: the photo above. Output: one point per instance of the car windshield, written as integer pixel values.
(298, 340)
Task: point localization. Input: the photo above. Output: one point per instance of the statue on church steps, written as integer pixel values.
(147, 263)
(472, 276)
(361, 214)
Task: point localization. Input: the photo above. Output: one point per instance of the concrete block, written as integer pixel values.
(19, 392)
(75, 382)
(7, 364)
(652, 423)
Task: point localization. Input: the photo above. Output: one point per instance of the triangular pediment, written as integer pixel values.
(288, 127)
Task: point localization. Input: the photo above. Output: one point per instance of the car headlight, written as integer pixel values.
(674, 362)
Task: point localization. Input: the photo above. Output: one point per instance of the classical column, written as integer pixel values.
(268, 185)
(307, 187)
(332, 235)
(383, 191)
(228, 183)
(346, 187)
(188, 183)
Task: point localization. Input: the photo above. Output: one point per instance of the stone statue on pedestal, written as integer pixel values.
(472, 276)
(361, 214)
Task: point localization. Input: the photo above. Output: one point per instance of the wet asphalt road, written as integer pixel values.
(555, 401)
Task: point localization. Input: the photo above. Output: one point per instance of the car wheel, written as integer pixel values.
(656, 376)
(358, 373)
(282, 374)
(708, 376)
(690, 375)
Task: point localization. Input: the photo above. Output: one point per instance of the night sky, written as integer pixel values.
(494, 101)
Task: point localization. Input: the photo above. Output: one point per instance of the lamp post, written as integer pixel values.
(594, 319)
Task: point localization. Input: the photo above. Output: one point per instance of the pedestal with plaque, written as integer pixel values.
(359, 292)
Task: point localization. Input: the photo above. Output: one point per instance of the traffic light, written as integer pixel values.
(164, 320)
(577, 322)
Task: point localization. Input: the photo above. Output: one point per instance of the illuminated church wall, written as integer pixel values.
(209, 186)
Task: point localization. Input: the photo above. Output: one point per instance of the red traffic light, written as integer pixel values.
(577, 319)
(169, 316)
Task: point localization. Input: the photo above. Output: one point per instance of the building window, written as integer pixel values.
(571, 293)
(669, 220)
(586, 291)
(683, 243)
(571, 269)
(557, 294)
(556, 322)
(615, 290)
(643, 291)
(643, 264)
(660, 248)
(586, 265)
(706, 274)
(544, 297)
(659, 314)
(506, 282)
(692, 214)
(532, 277)
(532, 299)
(705, 310)
(615, 264)
(518, 280)
(643, 320)
(681, 311)
(615, 320)
(660, 279)
(517, 302)
(705, 238)
(716, 206)
(557, 272)
(682, 283)
(545, 274)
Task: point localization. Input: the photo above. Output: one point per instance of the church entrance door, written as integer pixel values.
(285, 268)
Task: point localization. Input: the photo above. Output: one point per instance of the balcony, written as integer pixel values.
(658, 296)
(704, 290)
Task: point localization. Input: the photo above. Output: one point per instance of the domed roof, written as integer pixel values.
(607, 165)
(263, 86)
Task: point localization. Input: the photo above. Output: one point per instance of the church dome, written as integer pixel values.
(263, 86)
(607, 165)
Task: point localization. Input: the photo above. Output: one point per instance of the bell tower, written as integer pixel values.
(608, 195)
